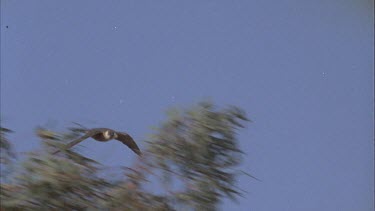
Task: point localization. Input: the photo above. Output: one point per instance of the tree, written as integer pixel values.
(6, 152)
(5, 147)
(190, 161)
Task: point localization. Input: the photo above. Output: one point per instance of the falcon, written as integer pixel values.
(104, 135)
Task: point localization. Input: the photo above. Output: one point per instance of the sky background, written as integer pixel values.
(302, 70)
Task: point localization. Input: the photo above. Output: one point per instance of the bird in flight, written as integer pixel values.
(104, 135)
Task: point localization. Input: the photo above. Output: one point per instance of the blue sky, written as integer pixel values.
(303, 71)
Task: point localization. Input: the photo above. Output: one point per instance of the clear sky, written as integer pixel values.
(303, 71)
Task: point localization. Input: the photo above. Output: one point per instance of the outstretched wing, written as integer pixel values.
(77, 141)
(128, 141)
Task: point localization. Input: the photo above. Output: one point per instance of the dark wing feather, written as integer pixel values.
(128, 141)
(77, 141)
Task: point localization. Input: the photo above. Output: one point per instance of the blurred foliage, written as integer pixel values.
(190, 162)
(6, 153)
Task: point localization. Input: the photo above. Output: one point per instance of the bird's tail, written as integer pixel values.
(80, 129)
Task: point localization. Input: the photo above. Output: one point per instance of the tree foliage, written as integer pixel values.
(190, 162)
(6, 153)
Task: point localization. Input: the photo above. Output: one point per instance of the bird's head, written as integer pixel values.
(109, 134)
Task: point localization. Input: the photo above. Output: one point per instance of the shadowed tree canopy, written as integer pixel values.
(190, 161)
(5, 147)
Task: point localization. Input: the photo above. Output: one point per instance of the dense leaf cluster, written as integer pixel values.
(190, 163)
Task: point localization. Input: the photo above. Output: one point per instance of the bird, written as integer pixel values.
(104, 135)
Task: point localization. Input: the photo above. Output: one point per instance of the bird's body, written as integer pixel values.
(104, 135)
